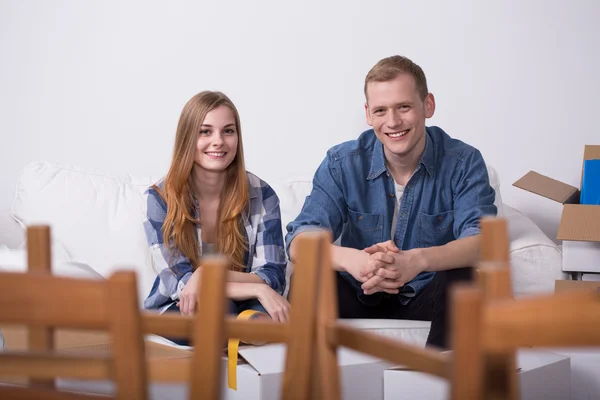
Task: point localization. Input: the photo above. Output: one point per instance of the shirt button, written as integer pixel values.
(360, 217)
(392, 195)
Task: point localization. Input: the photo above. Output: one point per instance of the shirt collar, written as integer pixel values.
(378, 160)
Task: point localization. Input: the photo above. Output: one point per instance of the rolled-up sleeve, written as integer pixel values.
(325, 208)
(269, 260)
(473, 196)
(173, 270)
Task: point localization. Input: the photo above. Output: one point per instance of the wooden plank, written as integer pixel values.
(177, 325)
(566, 319)
(47, 366)
(269, 331)
(298, 363)
(39, 260)
(20, 393)
(424, 360)
(39, 300)
(500, 377)
(326, 372)
(495, 240)
(466, 373)
(209, 331)
(168, 324)
(174, 370)
(127, 337)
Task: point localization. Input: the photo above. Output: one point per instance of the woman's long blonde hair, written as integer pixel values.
(179, 228)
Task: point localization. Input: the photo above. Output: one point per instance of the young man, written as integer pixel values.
(405, 201)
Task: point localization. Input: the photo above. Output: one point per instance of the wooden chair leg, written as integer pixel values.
(299, 358)
(495, 280)
(209, 332)
(39, 260)
(128, 346)
(326, 379)
(466, 374)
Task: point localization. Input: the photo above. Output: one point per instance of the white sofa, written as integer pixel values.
(96, 219)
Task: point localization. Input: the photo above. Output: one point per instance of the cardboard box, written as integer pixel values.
(579, 227)
(590, 277)
(562, 285)
(261, 377)
(585, 371)
(542, 375)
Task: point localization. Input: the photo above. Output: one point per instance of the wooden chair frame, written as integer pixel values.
(207, 329)
(43, 302)
(495, 328)
(332, 334)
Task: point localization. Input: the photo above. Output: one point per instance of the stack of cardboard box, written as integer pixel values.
(579, 227)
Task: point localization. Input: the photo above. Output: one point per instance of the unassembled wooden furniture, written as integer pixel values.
(332, 334)
(42, 301)
(567, 319)
(206, 369)
(207, 329)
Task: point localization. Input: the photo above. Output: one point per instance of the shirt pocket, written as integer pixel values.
(365, 228)
(436, 229)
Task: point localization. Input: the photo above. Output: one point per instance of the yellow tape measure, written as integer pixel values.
(232, 348)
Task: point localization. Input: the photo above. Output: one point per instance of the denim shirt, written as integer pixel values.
(264, 257)
(353, 196)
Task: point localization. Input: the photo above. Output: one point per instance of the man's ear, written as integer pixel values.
(429, 105)
(368, 115)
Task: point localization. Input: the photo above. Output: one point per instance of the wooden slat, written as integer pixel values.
(566, 319)
(39, 257)
(209, 330)
(176, 325)
(326, 372)
(174, 370)
(168, 324)
(20, 393)
(424, 360)
(495, 280)
(500, 377)
(495, 240)
(269, 331)
(466, 373)
(39, 300)
(128, 341)
(51, 366)
(39, 260)
(297, 376)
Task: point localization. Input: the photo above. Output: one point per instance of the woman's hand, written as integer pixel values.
(275, 304)
(189, 294)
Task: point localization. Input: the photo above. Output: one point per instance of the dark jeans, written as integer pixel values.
(431, 304)
(235, 307)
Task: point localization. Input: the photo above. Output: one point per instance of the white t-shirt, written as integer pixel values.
(399, 193)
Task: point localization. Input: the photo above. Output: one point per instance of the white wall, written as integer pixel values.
(100, 84)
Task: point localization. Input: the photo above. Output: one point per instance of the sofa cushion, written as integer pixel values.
(97, 215)
(536, 261)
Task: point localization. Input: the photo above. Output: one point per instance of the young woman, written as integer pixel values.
(208, 203)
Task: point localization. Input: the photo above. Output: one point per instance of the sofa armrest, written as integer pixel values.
(12, 234)
(536, 261)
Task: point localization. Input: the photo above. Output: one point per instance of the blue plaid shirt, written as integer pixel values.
(265, 256)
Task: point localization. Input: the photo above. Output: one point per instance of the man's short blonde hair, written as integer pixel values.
(389, 68)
